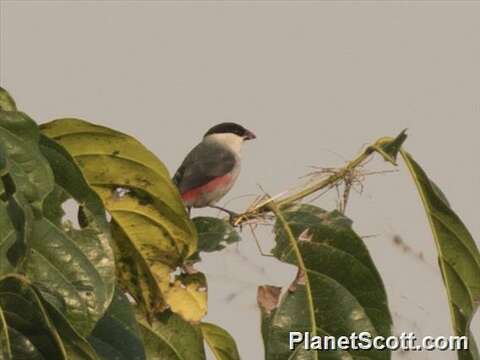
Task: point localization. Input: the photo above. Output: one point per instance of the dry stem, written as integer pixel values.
(263, 205)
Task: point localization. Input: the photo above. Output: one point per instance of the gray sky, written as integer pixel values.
(314, 80)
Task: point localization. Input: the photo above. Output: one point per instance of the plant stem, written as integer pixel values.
(301, 266)
(266, 206)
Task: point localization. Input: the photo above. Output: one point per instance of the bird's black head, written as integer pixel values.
(231, 128)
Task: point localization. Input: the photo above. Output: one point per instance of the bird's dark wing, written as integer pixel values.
(203, 164)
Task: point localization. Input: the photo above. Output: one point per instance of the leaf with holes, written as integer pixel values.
(33, 177)
(152, 231)
(75, 265)
(221, 343)
(337, 291)
(16, 217)
(458, 256)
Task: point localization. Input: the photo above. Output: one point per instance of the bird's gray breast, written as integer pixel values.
(206, 162)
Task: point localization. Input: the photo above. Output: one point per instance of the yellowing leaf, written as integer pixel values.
(152, 232)
(188, 297)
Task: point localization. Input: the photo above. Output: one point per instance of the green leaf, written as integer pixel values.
(27, 331)
(220, 342)
(337, 291)
(15, 219)
(75, 265)
(5, 348)
(33, 329)
(6, 101)
(117, 335)
(152, 232)
(76, 346)
(458, 256)
(213, 235)
(26, 179)
(30, 171)
(169, 337)
(392, 148)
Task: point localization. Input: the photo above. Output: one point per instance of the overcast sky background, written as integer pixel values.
(314, 80)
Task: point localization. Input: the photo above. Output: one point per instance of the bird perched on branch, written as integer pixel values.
(212, 167)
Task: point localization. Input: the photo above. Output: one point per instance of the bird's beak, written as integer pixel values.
(249, 135)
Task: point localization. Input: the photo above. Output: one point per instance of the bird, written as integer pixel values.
(212, 167)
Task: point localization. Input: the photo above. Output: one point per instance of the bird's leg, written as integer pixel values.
(232, 214)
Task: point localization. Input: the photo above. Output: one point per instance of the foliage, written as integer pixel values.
(152, 233)
(28, 328)
(125, 288)
(213, 235)
(117, 334)
(220, 342)
(169, 337)
(337, 291)
(458, 256)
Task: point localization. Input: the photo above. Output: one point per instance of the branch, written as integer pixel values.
(387, 147)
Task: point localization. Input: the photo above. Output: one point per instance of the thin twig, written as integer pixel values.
(258, 242)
